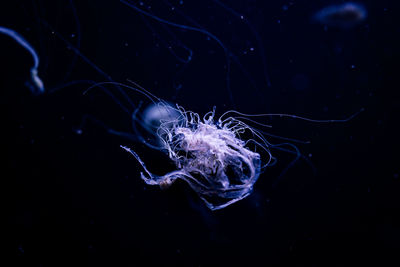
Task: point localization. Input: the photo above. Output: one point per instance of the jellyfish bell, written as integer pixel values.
(146, 124)
(343, 16)
(157, 113)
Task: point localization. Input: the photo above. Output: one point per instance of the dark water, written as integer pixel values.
(78, 199)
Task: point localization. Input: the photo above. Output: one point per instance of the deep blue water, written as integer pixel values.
(78, 199)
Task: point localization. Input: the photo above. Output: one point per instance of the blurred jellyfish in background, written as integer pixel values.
(344, 16)
(36, 85)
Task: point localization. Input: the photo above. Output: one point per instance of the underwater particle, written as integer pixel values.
(343, 16)
(210, 156)
(37, 87)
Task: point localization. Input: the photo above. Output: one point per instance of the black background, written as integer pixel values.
(77, 199)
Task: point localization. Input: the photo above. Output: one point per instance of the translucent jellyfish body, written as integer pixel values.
(37, 86)
(156, 114)
(210, 156)
(345, 15)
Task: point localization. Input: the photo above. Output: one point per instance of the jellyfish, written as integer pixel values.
(209, 155)
(220, 158)
(344, 16)
(37, 87)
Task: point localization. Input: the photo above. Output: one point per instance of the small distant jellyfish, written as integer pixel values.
(210, 155)
(37, 86)
(343, 16)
